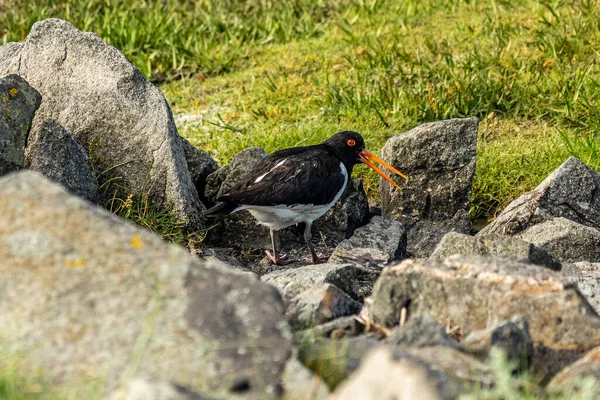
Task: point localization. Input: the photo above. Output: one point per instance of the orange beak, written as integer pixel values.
(366, 157)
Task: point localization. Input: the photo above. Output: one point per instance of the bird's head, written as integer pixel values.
(350, 148)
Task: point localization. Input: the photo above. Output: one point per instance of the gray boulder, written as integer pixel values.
(200, 165)
(439, 160)
(511, 337)
(53, 152)
(566, 240)
(18, 103)
(572, 191)
(317, 304)
(316, 294)
(493, 245)
(476, 293)
(586, 276)
(420, 331)
(294, 280)
(85, 293)
(121, 119)
(222, 180)
(375, 244)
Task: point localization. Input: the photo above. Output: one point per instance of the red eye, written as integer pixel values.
(351, 142)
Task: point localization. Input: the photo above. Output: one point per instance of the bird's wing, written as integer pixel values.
(289, 178)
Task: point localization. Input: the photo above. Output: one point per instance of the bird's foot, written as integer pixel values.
(276, 259)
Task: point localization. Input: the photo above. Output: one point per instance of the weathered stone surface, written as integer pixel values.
(317, 304)
(100, 98)
(82, 290)
(222, 180)
(18, 103)
(565, 240)
(385, 376)
(475, 293)
(294, 280)
(439, 160)
(53, 152)
(587, 277)
(376, 244)
(512, 337)
(572, 191)
(300, 383)
(493, 245)
(200, 165)
(146, 388)
(349, 213)
(572, 377)
(420, 331)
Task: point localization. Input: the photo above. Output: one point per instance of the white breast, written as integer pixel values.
(279, 217)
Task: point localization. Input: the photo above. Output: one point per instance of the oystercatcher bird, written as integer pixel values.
(299, 185)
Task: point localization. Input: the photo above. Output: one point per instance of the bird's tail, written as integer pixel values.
(223, 208)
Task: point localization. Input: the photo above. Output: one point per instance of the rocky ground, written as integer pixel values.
(412, 303)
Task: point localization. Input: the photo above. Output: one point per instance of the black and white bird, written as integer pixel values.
(299, 185)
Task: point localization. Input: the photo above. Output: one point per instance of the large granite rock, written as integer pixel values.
(317, 304)
(566, 240)
(86, 295)
(474, 293)
(376, 244)
(493, 245)
(18, 103)
(53, 152)
(586, 276)
(439, 160)
(572, 191)
(293, 280)
(124, 121)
